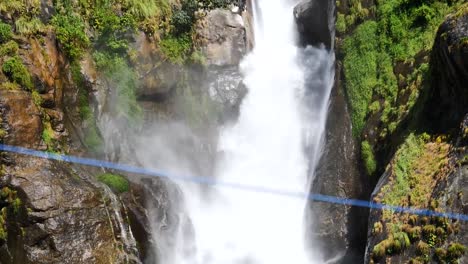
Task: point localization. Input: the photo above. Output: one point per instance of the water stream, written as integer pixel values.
(275, 143)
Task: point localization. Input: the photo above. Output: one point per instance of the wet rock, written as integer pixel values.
(337, 230)
(313, 19)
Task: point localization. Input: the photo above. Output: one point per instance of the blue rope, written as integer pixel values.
(213, 182)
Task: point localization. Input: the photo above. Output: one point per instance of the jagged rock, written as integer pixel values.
(448, 97)
(222, 37)
(313, 19)
(62, 217)
(23, 118)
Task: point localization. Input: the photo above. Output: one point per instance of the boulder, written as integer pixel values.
(221, 35)
(313, 21)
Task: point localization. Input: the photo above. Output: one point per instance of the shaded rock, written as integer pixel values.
(448, 96)
(339, 231)
(313, 19)
(62, 218)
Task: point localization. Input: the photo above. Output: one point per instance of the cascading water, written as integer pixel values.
(274, 144)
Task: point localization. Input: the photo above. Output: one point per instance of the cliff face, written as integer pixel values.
(82, 80)
(407, 101)
(428, 172)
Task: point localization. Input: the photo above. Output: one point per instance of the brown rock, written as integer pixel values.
(23, 118)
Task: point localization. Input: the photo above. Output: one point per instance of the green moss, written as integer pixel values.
(340, 23)
(9, 48)
(117, 183)
(14, 69)
(48, 135)
(402, 30)
(176, 49)
(9, 86)
(360, 67)
(37, 99)
(5, 32)
(368, 157)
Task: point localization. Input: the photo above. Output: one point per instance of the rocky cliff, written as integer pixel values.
(81, 78)
(401, 71)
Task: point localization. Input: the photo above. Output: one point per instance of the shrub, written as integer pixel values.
(14, 69)
(26, 26)
(9, 49)
(175, 49)
(422, 248)
(5, 32)
(117, 183)
(455, 251)
(368, 157)
(70, 31)
(340, 23)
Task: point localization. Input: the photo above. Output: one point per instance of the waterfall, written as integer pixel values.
(275, 144)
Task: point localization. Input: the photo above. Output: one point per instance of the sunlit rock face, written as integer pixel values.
(448, 96)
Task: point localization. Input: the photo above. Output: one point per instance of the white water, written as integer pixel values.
(275, 144)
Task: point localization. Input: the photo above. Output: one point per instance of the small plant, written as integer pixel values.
(14, 69)
(175, 49)
(5, 32)
(423, 248)
(340, 23)
(455, 251)
(26, 26)
(117, 183)
(368, 157)
(9, 49)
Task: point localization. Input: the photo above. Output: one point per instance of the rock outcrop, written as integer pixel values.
(339, 230)
(313, 19)
(429, 171)
(448, 96)
(221, 35)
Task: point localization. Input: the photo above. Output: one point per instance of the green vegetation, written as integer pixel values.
(29, 26)
(10, 206)
(340, 23)
(9, 48)
(117, 183)
(402, 31)
(70, 30)
(176, 49)
(14, 69)
(48, 136)
(454, 252)
(5, 32)
(368, 157)
(360, 66)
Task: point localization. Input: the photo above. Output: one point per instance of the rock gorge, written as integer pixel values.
(87, 82)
